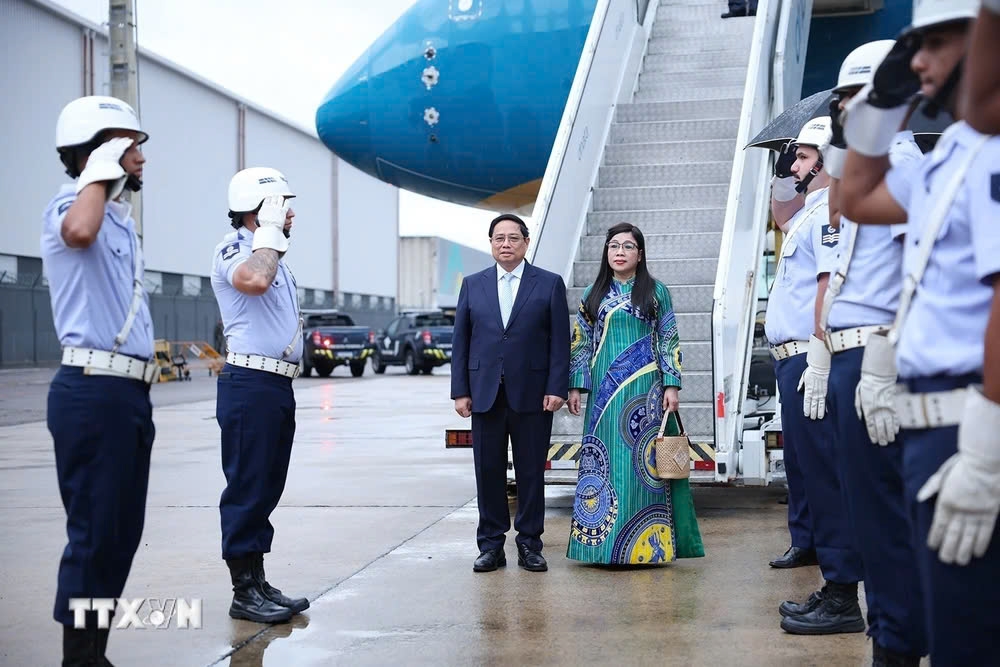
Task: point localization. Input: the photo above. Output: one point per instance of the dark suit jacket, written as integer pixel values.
(532, 353)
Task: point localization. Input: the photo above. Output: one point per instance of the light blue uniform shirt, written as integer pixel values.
(809, 252)
(264, 324)
(944, 330)
(870, 295)
(91, 288)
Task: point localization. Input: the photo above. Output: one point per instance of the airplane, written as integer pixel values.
(460, 100)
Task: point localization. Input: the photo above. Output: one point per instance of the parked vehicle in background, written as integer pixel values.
(418, 340)
(332, 339)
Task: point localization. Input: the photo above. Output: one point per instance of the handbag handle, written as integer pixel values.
(663, 424)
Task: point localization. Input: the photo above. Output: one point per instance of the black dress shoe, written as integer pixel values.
(795, 557)
(490, 560)
(531, 560)
(273, 594)
(838, 612)
(789, 608)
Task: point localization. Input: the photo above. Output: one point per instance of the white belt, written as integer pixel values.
(102, 362)
(259, 363)
(789, 349)
(930, 410)
(848, 339)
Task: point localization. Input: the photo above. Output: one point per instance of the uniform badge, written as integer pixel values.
(230, 251)
(831, 235)
(995, 187)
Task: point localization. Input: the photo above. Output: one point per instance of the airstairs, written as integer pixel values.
(669, 158)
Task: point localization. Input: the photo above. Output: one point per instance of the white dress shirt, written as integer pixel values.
(515, 281)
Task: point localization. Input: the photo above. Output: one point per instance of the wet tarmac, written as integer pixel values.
(377, 527)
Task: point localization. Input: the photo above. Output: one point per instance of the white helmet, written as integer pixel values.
(858, 68)
(83, 118)
(248, 188)
(929, 13)
(816, 133)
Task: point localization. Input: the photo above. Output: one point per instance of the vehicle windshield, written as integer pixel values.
(329, 320)
(434, 320)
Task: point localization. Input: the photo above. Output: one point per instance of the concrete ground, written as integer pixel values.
(377, 527)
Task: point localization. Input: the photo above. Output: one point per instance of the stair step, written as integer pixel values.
(639, 112)
(660, 246)
(684, 173)
(669, 271)
(695, 386)
(692, 62)
(674, 130)
(663, 196)
(685, 298)
(737, 49)
(687, 22)
(661, 221)
(666, 152)
(719, 76)
(663, 92)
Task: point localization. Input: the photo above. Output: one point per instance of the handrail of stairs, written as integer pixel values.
(606, 72)
(743, 233)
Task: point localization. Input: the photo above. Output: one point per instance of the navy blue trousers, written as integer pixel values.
(799, 521)
(962, 602)
(102, 429)
(813, 442)
(872, 478)
(256, 412)
(529, 434)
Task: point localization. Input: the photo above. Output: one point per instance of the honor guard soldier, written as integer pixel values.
(807, 256)
(99, 412)
(255, 408)
(862, 299)
(980, 101)
(950, 200)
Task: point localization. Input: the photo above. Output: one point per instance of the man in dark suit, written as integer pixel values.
(510, 372)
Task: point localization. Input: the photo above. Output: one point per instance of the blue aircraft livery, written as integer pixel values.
(461, 100)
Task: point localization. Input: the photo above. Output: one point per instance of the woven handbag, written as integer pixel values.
(672, 452)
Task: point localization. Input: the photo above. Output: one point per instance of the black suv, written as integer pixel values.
(420, 341)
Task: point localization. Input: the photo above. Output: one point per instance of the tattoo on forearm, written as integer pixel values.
(264, 262)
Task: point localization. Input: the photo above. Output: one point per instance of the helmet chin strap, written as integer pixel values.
(943, 98)
(803, 185)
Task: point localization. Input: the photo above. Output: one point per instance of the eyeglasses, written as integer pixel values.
(628, 246)
(500, 238)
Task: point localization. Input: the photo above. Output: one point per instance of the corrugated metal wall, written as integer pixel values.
(193, 151)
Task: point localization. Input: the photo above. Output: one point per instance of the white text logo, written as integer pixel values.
(140, 613)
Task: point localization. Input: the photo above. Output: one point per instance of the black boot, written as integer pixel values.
(789, 608)
(102, 646)
(273, 594)
(838, 612)
(249, 601)
(80, 647)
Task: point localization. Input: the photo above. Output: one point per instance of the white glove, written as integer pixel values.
(875, 397)
(870, 130)
(815, 378)
(783, 189)
(833, 161)
(104, 165)
(967, 486)
(270, 232)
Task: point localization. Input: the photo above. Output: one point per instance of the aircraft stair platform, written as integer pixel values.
(669, 158)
